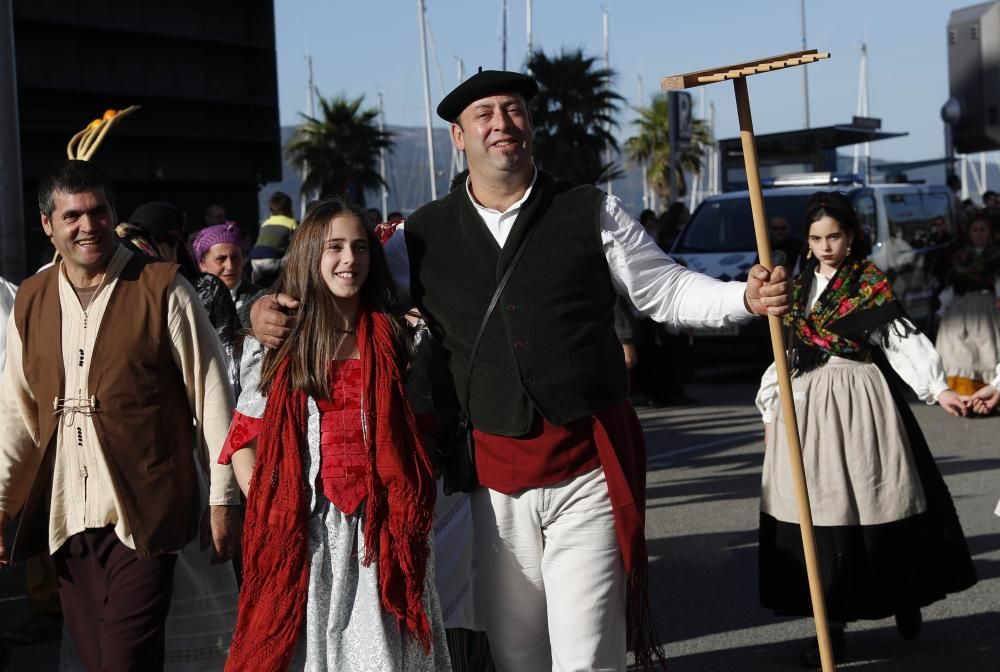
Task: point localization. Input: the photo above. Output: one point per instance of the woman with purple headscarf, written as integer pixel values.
(219, 250)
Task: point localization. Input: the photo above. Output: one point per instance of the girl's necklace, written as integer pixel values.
(352, 332)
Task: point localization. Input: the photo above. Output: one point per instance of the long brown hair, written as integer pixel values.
(313, 343)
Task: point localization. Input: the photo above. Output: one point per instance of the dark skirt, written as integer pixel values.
(873, 571)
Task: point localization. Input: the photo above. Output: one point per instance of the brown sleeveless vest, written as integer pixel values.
(143, 419)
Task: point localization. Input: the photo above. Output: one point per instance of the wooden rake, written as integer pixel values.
(739, 73)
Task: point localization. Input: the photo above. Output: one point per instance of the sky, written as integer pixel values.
(363, 47)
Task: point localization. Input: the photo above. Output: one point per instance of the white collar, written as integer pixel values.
(513, 207)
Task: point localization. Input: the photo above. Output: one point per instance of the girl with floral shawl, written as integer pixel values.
(887, 534)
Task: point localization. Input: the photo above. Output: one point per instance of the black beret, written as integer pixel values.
(482, 84)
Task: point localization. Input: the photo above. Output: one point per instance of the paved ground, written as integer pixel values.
(704, 484)
(703, 490)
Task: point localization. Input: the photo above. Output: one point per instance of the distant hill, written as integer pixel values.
(409, 184)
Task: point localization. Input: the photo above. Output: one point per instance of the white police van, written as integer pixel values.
(907, 224)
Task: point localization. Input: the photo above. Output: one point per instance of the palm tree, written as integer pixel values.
(652, 145)
(573, 116)
(338, 150)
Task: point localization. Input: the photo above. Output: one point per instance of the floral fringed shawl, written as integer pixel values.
(857, 303)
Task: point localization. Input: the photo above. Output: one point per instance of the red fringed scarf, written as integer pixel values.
(398, 513)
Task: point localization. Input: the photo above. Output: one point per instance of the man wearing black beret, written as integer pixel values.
(561, 572)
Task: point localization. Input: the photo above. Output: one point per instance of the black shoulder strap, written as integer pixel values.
(492, 306)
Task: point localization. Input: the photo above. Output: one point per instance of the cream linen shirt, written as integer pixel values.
(83, 495)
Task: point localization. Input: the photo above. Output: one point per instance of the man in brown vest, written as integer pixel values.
(115, 386)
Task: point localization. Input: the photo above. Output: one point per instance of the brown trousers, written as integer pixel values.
(42, 585)
(114, 604)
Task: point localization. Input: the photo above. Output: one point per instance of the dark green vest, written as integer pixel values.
(550, 344)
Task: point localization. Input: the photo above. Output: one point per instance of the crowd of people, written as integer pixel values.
(411, 446)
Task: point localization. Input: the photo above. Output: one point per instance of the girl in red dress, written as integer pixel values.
(338, 567)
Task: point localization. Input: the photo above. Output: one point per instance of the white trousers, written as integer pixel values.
(550, 583)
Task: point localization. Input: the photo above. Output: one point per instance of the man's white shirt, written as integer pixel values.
(657, 286)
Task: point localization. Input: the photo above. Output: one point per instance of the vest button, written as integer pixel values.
(511, 307)
(519, 344)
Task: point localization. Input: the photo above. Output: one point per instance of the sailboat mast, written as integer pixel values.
(697, 178)
(805, 71)
(304, 197)
(457, 157)
(529, 29)
(310, 89)
(607, 66)
(503, 36)
(381, 158)
(427, 100)
(863, 152)
(713, 153)
(646, 196)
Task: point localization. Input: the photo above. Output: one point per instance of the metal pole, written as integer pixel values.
(457, 157)
(310, 89)
(607, 66)
(503, 37)
(427, 101)
(304, 198)
(696, 183)
(784, 380)
(982, 171)
(713, 174)
(529, 29)
(866, 111)
(963, 163)
(381, 158)
(949, 149)
(12, 224)
(861, 109)
(805, 71)
(646, 200)
(672, 141)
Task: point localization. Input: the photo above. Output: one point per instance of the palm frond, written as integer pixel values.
(338, 150)
(574, 116)
(651, 145)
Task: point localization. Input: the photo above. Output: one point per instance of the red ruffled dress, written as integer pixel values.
(343, 458)
(346, 627)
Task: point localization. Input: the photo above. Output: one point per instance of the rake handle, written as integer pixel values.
(784, 380)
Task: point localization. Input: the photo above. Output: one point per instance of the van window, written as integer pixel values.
(937, 209)
(864, 205)
(907, 220)
(726, 225)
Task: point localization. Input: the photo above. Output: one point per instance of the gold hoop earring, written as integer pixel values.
(809, 253)
(848, 250)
